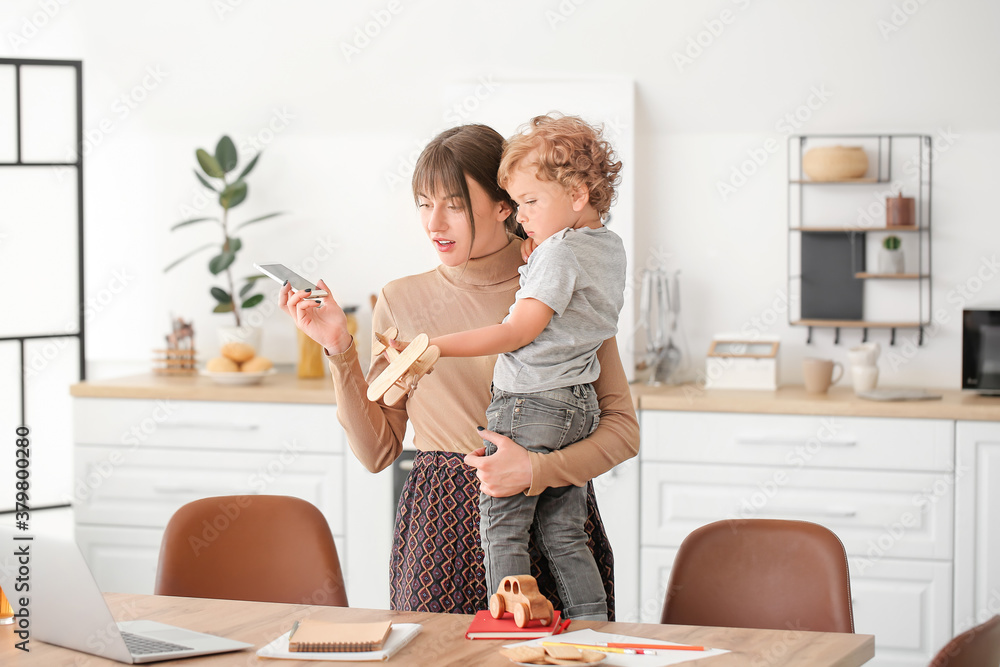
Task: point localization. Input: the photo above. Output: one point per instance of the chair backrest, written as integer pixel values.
(259, 548)
(761, 573)
(976, 647)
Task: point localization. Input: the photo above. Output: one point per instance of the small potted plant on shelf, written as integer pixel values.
(890, 257)
(215, 175)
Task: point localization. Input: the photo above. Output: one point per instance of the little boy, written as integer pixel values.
(562, 175)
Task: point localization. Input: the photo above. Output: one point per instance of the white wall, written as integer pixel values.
(347, 124)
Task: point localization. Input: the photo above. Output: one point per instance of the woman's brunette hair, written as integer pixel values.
(466, 150)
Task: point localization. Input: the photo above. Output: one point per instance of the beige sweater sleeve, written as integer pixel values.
(374, 430)
(615, 440)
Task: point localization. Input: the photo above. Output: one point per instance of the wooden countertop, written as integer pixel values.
(789, 400)
(278, 388)
(793, 400)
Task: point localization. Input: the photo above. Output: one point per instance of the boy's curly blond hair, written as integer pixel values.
(569, 151)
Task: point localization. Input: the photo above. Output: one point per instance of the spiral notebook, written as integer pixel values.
(315, 636)
(400, 635)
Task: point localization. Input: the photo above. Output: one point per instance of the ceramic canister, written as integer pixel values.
(899, 211)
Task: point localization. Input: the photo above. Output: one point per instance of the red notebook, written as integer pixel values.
(484, 626)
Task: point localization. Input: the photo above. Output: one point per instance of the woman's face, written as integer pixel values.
(443, 216)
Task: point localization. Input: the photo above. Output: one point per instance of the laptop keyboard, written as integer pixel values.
(139, 645)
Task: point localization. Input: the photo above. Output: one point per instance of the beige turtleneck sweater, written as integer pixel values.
(451, 401)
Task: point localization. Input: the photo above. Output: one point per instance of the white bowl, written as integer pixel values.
(238, 378)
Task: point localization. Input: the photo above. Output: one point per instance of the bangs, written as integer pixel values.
(438, 172)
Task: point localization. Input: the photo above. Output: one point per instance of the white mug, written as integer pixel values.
(864, 378)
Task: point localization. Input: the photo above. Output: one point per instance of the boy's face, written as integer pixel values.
(544, 208)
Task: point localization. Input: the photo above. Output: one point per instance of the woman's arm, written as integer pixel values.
(513, 469)
(374, 430)
(615, 440)
(528, 319)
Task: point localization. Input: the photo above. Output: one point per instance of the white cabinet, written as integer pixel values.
(977, 527)
(136, 461)
(885, 486)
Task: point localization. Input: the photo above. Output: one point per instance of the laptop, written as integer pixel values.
(68, 610)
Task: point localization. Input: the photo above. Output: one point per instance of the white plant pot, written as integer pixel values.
(241, 334)
(891, 261)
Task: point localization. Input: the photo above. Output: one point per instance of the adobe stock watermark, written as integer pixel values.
(202, 198)
(365, 33)
(459, 112)
(958, 297)
(100, 471)
(879, 547)
(223, 8)
(562, 12)
(789, 123)
(123, 106)
(797, 457)
(93, 305)
(33, 24)
(712, 30)
(899, 16)
(873, 215)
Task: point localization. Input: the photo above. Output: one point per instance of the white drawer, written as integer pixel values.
(793, 440)
(901, 515)
(207, 424)
(905, 604)
(118, 486)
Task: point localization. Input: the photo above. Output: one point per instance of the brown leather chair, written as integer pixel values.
(976, 647)
(761, 573)
(259, 548)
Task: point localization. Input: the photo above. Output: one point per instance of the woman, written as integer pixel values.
(437, 562)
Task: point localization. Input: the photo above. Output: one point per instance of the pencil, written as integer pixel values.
(665, 647)
(603, 649)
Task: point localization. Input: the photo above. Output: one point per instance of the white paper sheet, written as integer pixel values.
(399, 636)
(621, 660)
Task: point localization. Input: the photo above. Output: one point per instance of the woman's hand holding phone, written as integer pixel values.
(323, 320)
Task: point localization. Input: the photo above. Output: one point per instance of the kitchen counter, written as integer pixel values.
(788, 400)
(794, 400)
(278, 388)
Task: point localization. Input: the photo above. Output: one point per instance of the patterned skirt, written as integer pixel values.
(437, 560)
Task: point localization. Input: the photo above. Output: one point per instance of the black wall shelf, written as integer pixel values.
(831, 280)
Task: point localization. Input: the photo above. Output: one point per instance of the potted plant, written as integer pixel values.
(215, 175)
(890, 257)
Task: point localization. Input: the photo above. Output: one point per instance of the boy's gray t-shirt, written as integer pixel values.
(579, 274)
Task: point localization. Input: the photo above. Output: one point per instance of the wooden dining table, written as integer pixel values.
(441, 640)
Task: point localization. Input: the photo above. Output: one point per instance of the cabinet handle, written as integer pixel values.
(789, 441)
(829, 513)
(216, 426)
(406, 465)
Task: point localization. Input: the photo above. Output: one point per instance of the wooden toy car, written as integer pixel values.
(520, 595)
(406, 366)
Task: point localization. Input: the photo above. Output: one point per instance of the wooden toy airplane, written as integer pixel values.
(405, 368)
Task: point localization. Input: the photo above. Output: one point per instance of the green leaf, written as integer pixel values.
(252, 301)
(221, 295)
(223, 308)
(220, 262)
(193, 252)
(249, 167)
(233, 195)
(246, 288)
(260, 219)
(255, 278)
(225, 154)
(234, 245)
(191, 222)
(209, 163)
(204, 182)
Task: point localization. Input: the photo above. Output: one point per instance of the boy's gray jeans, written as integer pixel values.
(542, 422)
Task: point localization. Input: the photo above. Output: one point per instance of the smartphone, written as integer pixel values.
(281, 273)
